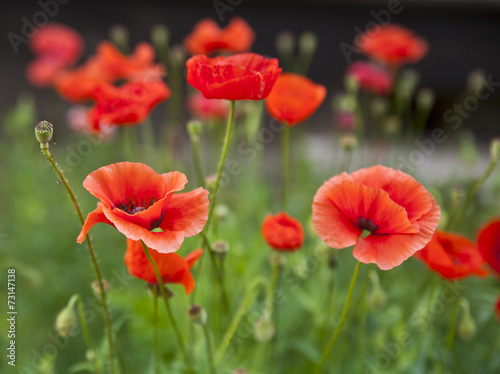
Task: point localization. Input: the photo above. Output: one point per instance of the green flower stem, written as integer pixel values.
(208, 345)
(170, 315)
(85, 329)
(342, 318)
(156, 328)
(285, 148)
(195, 148)
(62, 178)
(329, 302)
(450, 335)
(245, 304)
(472, 192)
(222, 159)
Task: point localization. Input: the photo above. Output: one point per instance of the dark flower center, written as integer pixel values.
(366, 224)
(135, 205)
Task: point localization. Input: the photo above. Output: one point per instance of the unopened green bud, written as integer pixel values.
(351, 85)
(457, 196)
(475, 80)
(194, 129)
(197, 314)
(285, 42)
(308, 42)
(343, 103)
(408, 81)
(221, 211)
(160, 35)
(220, 248)
(495, 149)
(66, 320)
(466, 326)
(178, 54)
(43, 132)
(210, 181)
(392, 125)
(263, 330)
(426, 99)
(377, 297)
(97, 289)
(348, 141)
(119, 36)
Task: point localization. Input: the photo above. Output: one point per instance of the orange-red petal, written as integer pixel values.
(294, 98)
(282, 232)
(93, 217)
(488, 242)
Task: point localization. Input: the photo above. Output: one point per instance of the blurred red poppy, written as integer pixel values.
(393, 45)
(453, 256)
(497, 310)
(107, 66)
(282, 232)
(207, 37)
(207, 109)
(371, 77)
(143, 205)
(173, 268)
(397, 211)
(56, 47)
(125, 105)
(488, 243)
(245, 76)
(294, 98)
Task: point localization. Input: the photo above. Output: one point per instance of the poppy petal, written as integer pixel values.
(358, 201)
(193, 256)
(175, 181)
(93, 217)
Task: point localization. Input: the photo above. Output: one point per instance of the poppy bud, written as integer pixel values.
(351, 84)
(466, 325)
(392, 125)
(457, 196)
(425, 99)
(197, 314)
(277, 258)
(119, 36)
(348, 142)
(263, 330)
(43, 132)
(220, 248)
(377, 297)
(407, 82)
(160, 35)
(495, 149)
(221, 211)
(475, 80)
(308, 41)
(178, 54)
(66, 320)
(210, 181)
(285, 42)
(97, 290)
(90, 355)
(194, 129)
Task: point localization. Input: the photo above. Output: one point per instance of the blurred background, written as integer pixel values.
(463, 36)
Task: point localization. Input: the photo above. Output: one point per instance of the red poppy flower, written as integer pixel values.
(207, 37)
(207, 109)
(371, 78)
(107, 66)
(294, 98)
(282, 232)
(393, 45)
(488, 243)
(400, 214)
(143, 205)
(453, 256)
(245, 76)
(56, 47)
(173, 268)
(126, 105)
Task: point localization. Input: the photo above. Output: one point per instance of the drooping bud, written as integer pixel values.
(197, 314)
(194, 129)
(43, 132)
(495, 149)
(66, 320)
(263, 330)
(466, 325)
